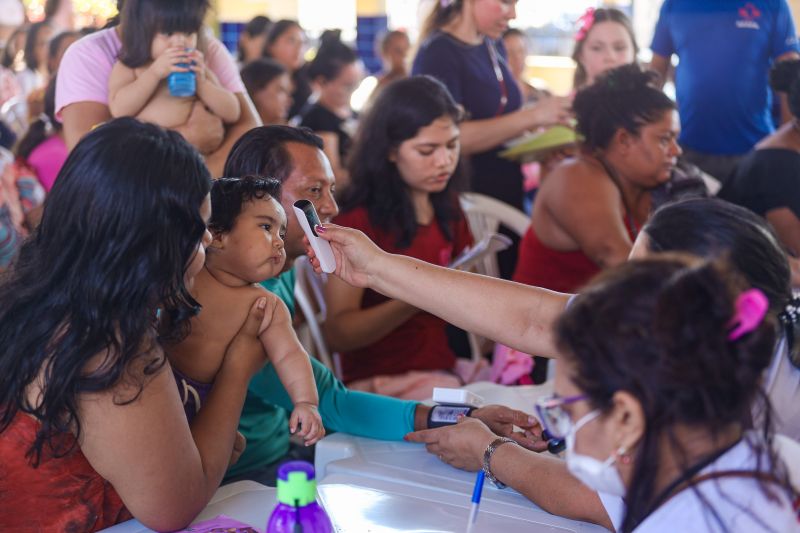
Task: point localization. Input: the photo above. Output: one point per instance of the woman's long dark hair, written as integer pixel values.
(332, 56)
(44, 126)
(658, 329)
(785, 77)
(119, 228)
(10, 52)
(399, 112)
(258, 25)
(143, 19)
(277, 29)
(31, 61)
(713, 228)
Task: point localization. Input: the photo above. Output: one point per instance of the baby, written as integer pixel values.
(150, 53)
(247, 225)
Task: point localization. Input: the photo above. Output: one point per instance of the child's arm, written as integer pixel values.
(128, 94)
(219, 100)
(294, 370)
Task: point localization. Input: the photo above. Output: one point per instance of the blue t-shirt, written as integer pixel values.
(726, 50)
(468, 73)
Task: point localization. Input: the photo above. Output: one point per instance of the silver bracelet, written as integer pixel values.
(487, 457)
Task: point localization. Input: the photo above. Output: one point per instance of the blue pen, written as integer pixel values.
(476, 500)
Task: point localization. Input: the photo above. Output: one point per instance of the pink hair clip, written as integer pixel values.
(751, 307)
(586, 21)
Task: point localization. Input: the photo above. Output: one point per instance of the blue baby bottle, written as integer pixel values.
(298, 510)
(182, 84)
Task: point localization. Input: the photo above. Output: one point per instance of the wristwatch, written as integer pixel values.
(487, 457)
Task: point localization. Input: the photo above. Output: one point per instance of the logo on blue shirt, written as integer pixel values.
(748, 17)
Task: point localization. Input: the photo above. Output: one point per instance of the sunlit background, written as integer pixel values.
(549, 25)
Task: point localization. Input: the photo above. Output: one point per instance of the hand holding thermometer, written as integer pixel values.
(476, 500)
(308, 219)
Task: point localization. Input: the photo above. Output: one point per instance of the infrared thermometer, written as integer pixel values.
(308, 219)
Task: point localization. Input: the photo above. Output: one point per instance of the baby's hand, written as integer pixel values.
(198, 64)
(307, 417)
(168, 62)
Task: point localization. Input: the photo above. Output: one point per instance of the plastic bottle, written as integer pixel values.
(182, 84)
(298, 510)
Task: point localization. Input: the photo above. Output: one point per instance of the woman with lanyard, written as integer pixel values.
(460, 48)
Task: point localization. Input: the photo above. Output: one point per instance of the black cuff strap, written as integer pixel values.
(447, 415)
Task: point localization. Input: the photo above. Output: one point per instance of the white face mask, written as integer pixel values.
(601, 476)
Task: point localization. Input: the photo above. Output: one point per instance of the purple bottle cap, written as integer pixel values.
(296, 466)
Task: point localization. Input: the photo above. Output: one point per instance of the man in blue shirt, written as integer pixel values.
(726, 49)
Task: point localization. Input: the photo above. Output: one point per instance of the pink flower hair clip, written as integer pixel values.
(585, 22)
(751, 308)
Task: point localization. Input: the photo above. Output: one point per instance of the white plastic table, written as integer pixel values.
(410, 486)
(246, 501)
(362, 504)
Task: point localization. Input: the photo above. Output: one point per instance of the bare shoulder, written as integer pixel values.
(121, 72)
(581, 173)
(577, 180)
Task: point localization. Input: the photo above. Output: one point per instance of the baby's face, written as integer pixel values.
(165, 41)
(253, 249)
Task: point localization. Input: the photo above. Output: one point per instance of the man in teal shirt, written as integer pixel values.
(295, 157)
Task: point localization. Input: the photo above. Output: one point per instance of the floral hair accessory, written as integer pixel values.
(585, 22)
(751, 307)
(791, 313)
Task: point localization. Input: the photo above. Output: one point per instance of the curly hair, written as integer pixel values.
(624, 97)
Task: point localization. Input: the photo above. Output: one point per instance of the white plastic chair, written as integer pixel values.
(485, 214)
(14, 112)
(309, 298)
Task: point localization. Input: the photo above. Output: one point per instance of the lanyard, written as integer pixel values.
(498, 72)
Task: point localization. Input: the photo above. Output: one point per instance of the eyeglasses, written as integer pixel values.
(555, 419)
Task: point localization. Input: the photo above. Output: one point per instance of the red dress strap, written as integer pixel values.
(61, 494)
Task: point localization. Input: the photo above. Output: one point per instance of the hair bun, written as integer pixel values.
(627, 78)
(330, 37)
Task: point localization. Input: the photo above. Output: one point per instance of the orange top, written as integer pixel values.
(61, 494)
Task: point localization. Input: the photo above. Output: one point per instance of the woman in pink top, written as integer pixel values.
(82, 94)
(42, 149)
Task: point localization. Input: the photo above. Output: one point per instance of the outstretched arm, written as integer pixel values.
(541, 478)
(517, 315)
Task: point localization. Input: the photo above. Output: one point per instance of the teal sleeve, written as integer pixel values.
(357, 413)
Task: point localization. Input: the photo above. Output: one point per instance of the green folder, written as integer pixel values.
(536, 146)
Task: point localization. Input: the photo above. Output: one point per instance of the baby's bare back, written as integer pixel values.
(225, 309)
